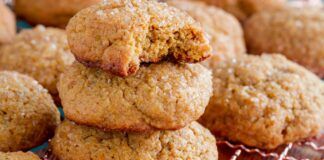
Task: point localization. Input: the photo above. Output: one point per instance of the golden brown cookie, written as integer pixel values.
(28, 115)
(224, 31)
(76, 142)
(18, 156)
(7, 24)
(296, 33)
(41, 53)
(117, 36)
(264, 101)
(159, 96)
(243, 9)
(50, 12)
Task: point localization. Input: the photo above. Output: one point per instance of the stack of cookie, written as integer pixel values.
(132, 93)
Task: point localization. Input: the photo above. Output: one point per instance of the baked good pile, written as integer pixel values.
(152, 80)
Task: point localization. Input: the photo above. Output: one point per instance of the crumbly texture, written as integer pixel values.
(224, 31)
(159, 96)
(50, 12)
(264, 101)
(41, 53)
(7, 24)
(243, 9)
(75, 142)
(18, 156)
(117, 36)
(296, 33)
(28, 116)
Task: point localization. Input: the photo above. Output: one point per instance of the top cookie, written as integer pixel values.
(117, 36)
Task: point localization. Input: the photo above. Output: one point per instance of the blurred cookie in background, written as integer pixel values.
(296, 33)
(306, 3)
(18, 156)
(50, 12)
(224, 31)
(28, 115)
(264, 101)
(41, 53)
(243, 9)
(7, 24)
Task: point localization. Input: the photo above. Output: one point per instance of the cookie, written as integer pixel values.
(296, 33)
(224, 31)
(117, 36)
(269, 98)
(50, 12)
(7, 24)
(159, 96)
(243, 9)
(41, 53)
(28, 115)
(76, 142)
(18, 156)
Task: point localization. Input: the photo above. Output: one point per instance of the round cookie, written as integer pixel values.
(296, 33)
(117, 36)
(7, 24)
(18, 156)
(41, 53)
(50, 12)
(224, 31)
(269, 98)
(243, 9)
(75, 142)
(159, 96)
(28, 115)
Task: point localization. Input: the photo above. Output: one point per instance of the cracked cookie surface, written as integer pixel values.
(41, 53)
(18, 156)
(269, 98)
(7, 24)
(296, 33)
(50, 12)
(76, 142)
(28, 116)
(158, 96)
(117, 36)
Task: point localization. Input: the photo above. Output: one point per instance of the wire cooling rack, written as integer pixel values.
(309, 149)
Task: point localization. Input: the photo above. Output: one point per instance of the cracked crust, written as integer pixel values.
(269, 98)
(41, 53)
(243, 9)
(117, 36)
(296, 33)
(159, 96)
(7, 24)
(18, 156)
(28, 116)
(50, 12)
(75, 142)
